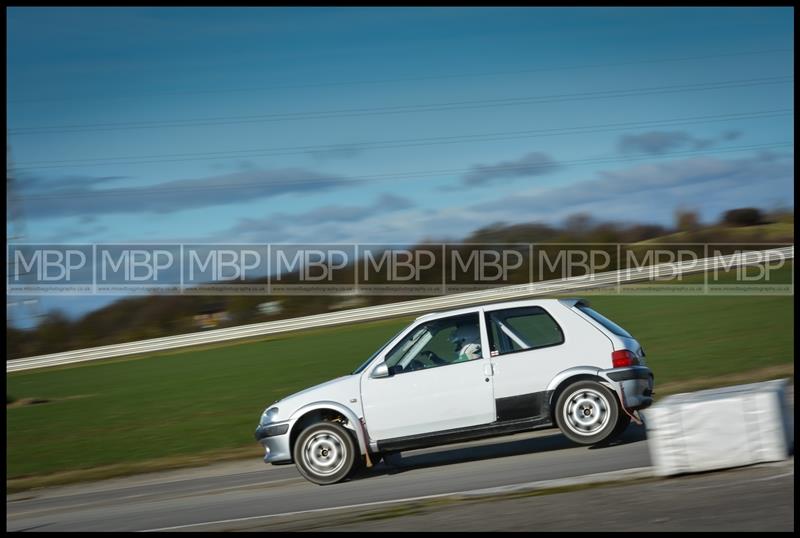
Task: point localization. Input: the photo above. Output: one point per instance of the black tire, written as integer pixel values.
(588, 413)
(623, 422)
(325, 453)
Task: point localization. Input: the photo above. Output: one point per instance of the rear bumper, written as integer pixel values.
(634, 385)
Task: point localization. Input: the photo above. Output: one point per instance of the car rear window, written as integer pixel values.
(522, 329)
(604, 321)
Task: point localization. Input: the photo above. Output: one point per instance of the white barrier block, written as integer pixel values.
(720, 428)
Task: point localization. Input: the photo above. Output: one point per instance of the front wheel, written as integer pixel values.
(588, 413)
(325, 453)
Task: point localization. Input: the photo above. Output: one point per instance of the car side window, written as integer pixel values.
(437, 343)
(522, 329)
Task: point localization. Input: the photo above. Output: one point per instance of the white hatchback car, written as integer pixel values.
(481, 371)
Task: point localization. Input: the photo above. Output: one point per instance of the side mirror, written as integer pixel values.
(380, 371)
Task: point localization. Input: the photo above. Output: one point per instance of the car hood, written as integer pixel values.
(340, 390)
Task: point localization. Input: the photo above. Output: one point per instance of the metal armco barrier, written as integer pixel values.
(417, 306)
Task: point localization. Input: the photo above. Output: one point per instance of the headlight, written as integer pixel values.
(269, 415)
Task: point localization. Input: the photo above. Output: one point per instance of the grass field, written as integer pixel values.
(181, 403)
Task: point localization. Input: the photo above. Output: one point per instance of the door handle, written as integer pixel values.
(488, 370)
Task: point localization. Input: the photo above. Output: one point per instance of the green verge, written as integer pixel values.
(126, 415)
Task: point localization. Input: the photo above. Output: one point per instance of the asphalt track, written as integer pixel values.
(200, 499)
(758, 498)
(251, 495)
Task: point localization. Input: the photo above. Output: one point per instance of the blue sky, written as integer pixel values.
(389, 124)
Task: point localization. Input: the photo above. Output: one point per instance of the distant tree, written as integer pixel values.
(605, 232)
(15, 342)
(745, 216)
(686, 220)
(578, 224)
(53, 333)
(642, 232)
(514, 233)
(780, 214)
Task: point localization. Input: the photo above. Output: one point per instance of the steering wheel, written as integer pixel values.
(433, 357)
(415, 364)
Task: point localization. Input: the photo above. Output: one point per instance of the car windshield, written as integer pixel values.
(411, 346)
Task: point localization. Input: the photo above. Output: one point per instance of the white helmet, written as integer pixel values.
(465, 334)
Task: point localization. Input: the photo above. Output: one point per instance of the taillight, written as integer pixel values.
(623, 357)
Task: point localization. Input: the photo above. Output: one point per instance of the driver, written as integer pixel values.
(467, 342)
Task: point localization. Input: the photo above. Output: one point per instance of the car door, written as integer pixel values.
(431, 387)
(527, 350)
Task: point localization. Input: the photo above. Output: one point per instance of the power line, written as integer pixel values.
(403, 109)
(384, 144)
(15, 212)
(17, 218)
(409, 79)
(143, 191)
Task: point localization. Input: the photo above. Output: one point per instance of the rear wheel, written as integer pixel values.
(588, 413)
(325, 453)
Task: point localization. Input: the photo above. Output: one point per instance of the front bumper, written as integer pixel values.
(274, 437)
(634, 384)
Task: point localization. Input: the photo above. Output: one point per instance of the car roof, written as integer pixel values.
(500, 305)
